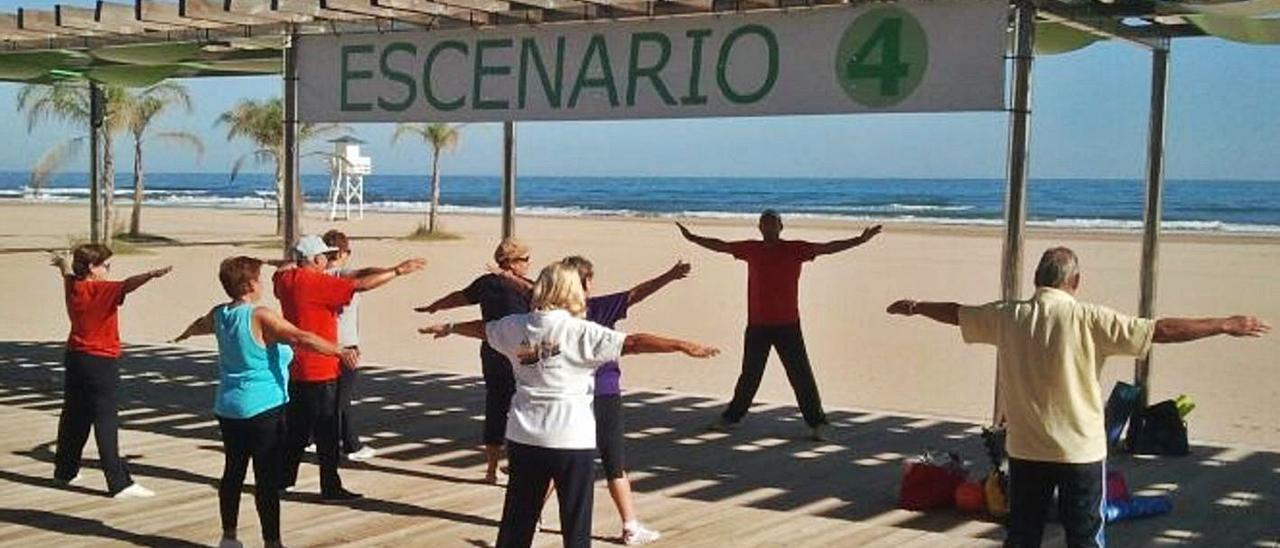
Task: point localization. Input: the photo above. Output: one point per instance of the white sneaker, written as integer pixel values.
(310, 448)
(230, 543)
(638, 535)
(135, 491)
(365, 453)
(72, 481)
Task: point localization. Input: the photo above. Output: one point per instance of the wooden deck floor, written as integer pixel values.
(763, 485)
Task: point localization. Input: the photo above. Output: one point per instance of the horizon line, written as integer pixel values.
(754, 177)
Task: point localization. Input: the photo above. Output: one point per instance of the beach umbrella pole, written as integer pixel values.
(508, 179)
(1154, 203)
(1015, 212)
(290, 143)
(95, 185)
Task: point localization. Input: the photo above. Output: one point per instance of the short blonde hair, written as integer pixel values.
(508, 250)
(560, 288)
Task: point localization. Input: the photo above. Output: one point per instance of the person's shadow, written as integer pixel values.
(85, 527)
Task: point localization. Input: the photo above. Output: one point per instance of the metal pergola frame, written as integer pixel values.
(230, 33)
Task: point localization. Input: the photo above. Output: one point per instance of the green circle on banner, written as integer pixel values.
(882, 57)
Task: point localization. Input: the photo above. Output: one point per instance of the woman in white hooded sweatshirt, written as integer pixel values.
(551, 433)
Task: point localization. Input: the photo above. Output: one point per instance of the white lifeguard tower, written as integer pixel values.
(348, 169)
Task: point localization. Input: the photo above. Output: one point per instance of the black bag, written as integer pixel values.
(1158, 430)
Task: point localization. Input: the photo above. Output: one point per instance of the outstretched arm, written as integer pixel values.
(473, 329)
(836, 246)
(201, 326)
(645, 343)
(452, 300)
(1175, 330)
(704, 241)
(516, 281)
(651, 286)
(948, 313)
(374, 278)
(132, 283)
(60, 262)
(276, 329)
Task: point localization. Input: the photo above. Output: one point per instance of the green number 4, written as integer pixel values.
(887, 37)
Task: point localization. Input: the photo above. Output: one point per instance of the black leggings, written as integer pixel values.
(260, 438)
(788, 339)
(532, 471)
(89, 387)
(499, 386)
(610, 434)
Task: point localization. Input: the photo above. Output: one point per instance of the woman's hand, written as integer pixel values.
(700, 351)
(437, 331)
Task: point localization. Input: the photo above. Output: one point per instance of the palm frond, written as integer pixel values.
(257, 157)
(307, 132)
(62, 101)
(186, 138)
(53, 160)
(404, 128)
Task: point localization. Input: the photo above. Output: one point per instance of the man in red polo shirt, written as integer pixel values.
(311, 299)
(773, 315)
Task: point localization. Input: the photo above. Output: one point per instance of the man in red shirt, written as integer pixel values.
(773, 315)
(311, 299)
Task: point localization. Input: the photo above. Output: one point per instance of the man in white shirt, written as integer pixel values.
(1051, 351)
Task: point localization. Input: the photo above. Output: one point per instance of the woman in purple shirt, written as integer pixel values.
(607, 310)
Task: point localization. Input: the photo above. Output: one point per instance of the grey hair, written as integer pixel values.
(1057, 265)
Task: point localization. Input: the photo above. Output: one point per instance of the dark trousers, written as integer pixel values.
(499, 387)
(312, 412)
(89, 387)
(789, 342)
(611, 435)
(532, 471)
(260, 438)
(1081, 493)
(348, 435)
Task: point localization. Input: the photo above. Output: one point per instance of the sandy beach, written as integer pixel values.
(863, 358)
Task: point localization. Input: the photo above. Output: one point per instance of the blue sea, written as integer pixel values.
(1190, 205)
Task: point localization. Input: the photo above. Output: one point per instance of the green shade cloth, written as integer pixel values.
(1239, 29)
(1055, 38)
(31, 65)
(149, 54)
(1245, 8)
(132, 76)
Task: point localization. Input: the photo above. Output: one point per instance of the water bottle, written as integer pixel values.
(1138, 507)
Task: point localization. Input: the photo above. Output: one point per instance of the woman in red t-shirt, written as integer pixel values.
(91, 374)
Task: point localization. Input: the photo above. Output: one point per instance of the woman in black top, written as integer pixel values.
(497, 299)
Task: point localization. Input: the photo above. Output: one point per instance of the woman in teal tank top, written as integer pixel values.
(255, 346)
(252, 378)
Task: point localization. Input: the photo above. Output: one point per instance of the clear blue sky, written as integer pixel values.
(1090, 120)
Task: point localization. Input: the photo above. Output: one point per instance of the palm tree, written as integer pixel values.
(441, 138)
(262, 123)
(141, 110)
(68, 101)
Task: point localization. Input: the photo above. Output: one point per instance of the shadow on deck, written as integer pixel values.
(1224, 495)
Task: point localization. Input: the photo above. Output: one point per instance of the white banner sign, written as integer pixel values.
(911, 56)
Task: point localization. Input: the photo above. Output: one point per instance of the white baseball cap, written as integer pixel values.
(311, 245)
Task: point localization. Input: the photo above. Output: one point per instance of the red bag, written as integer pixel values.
(926, 486)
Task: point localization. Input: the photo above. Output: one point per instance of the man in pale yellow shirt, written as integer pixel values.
(1051, 350)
